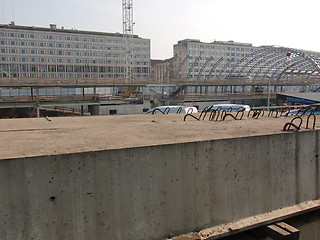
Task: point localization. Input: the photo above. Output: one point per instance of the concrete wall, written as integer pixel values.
(155, 192)
(123, 109)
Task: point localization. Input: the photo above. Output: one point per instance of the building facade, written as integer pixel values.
(160, 70)
(199, 60)
(33, 52)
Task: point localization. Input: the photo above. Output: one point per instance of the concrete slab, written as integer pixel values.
(39, 137)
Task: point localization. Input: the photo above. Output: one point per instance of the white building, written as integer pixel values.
(34, 52)
(199, 60)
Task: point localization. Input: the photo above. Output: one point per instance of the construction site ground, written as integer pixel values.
(37, 136)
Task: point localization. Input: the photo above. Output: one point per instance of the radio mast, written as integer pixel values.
(127, 17)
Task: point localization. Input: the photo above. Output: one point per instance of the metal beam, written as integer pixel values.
(204, 66)
(214, 66)
(181, 64)
(192, 66)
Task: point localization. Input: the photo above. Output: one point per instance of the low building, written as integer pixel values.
(160, 70)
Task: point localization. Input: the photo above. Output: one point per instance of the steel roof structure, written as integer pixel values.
(277, 63)
(267, 62)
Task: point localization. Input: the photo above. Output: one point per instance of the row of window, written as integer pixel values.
(69, 53)
(65, 37)
(213, 70)
(76, 61)
(208, 53)
(207, 76)
(196, 54)
(217, 48)
(203, 60)
(72, 75)
(69, 46)
(62, 68)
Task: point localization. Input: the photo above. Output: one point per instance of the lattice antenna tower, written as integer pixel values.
(127, 17)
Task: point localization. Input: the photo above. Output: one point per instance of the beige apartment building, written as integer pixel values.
(36, 52)
(194, 59)
(160, 70)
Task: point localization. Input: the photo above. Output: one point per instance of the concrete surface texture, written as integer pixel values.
(36, 137)
(147, 177)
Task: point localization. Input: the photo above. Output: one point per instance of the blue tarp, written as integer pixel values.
(299, 100)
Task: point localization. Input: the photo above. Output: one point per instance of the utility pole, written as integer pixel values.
(127, 16)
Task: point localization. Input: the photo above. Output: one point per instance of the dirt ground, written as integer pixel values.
(33, 137)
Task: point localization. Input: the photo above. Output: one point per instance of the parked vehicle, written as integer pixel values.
(230, 107)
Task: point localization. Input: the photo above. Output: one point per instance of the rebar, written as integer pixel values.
(229, 114)
(314, 121)
(272, 111)
(157, 109)
(287, 110)
(293, 119)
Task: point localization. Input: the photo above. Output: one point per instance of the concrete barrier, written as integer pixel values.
(157, 191)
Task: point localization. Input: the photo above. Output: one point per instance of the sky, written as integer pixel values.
(286, 23)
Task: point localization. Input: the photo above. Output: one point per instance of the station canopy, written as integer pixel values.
(277, 63)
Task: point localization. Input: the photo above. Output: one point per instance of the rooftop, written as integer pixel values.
(62, 135)
(60, 30)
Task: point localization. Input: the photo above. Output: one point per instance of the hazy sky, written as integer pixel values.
(285, 23)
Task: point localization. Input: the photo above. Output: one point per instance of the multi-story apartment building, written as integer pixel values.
(198, 60)
(34, 52)
(160, 71)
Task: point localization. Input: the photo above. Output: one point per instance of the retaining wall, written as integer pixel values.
(157, 191)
